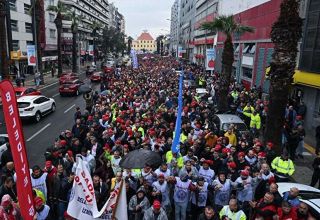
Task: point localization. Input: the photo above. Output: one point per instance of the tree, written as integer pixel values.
(130, 39)
(37, 14)
(74, 28)
(95, 26)
(159, 44)
(228, 26)
(112, 40)
(285, 34)
(3, 39)
(60, 11)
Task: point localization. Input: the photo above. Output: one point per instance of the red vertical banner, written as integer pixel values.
(18, 149)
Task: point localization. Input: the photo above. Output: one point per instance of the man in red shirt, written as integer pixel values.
(265, 207)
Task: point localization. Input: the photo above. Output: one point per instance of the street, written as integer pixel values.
(40, 136)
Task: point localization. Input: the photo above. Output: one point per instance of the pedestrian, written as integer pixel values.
(292, 197)
(42, 210)
(9, 209)
(232, 212)
(155, 212)
(23, 78)
(37, 79)
(264, 208)
(300, 148)
(286, 212)
(316, 172)
(138, 205)
(317, 140)
(208, 214)
(53, 70)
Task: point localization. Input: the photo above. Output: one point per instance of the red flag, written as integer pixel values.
(18, 149)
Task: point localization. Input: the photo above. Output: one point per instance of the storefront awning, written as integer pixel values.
(307, 79)
(303, 78)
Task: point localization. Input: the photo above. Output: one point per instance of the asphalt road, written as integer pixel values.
(39, 136)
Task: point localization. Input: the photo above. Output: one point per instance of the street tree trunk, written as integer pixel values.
(227, 61)
(38, 17)
(3, 40)
(286, 33)
(58, 22)
(74, 51)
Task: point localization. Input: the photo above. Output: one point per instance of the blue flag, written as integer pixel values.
(176, 141)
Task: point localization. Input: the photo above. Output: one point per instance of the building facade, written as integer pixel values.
(174, 27)
(206, 11)
(187, 28)
(307, 77)
(144, 43)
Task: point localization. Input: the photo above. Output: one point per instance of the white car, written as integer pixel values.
(3, 143)
(35, 106)
(307, 194)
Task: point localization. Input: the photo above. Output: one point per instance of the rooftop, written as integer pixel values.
(145, 36)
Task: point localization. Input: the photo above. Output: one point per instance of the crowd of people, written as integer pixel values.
(213, 176)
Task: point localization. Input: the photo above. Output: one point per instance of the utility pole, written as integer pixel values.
(4, 71)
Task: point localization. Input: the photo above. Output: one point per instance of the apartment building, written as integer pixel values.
(174, 27)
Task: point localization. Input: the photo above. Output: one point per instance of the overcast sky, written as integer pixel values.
(148, 15)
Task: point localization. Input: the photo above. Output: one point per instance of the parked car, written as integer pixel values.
(307, 194)
(96, 76)
(223, 121)
(35, 106)
(68, 77)
(22, 91)
(3, 143)
(70, 87)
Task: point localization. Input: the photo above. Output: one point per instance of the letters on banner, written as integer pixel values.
(83, 204)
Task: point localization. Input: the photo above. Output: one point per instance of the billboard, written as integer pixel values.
(210, 58)
(31, 54)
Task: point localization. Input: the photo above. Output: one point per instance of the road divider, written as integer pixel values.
(48, 85)
(38, 132)
(55, 95)
(69, 108)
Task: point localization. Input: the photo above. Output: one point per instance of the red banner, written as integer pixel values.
(18, 149)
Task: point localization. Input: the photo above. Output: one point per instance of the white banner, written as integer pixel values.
(83, 204)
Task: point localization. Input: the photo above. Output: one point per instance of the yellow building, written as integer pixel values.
(144, 42)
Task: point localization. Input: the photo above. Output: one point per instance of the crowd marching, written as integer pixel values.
(213, 176)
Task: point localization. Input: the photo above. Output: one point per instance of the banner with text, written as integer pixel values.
(134, 58)
(91, 52)
(18, 149)
(31, 54)
(179, 52)
(82, 203)
(210, 58)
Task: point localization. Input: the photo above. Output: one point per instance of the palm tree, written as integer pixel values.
(228, 26)
(74, 28)
(95, 26)
(60, 10)
(130, 39)
(3, 39)
(286, 33)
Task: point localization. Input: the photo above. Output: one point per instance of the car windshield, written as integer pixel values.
(308, 195)
(23, 104)
(240, 126)
(18, 93)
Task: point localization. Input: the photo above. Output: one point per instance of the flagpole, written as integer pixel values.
(118, 197)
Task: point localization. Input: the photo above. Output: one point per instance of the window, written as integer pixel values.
(52, 33)
(253, 49)
(237, 47)
(14, 25)
(27, 8)
(51, 2)
(15, 45)
(30, 42)
(247, 72)
(12, 4)
(245, 50)
(28, 27)
(51, 17)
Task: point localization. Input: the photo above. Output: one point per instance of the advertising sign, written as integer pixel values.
(91, 52)
(210, 59)
(180, 52)
(31, 54)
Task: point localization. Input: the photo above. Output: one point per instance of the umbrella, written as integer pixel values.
(137, 159)
(84, 89)
(105, 92)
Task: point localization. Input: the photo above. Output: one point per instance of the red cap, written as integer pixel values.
(258, 143)
(156, 204)
(90, 118)
(262, 154)
(118, 142)
(217, 148)
(161, 175)
(270, 144)
(208, 162)
(244, 173)
(63, 142)
(107, 147)
(125, 146)
(105, 117)
(48, 163)
(241, 154)
(226, 150)
(232, 165)
(38, 201)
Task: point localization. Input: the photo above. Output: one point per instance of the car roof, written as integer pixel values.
(4, 135)
(29, 98)
(314, 203)
(229, 118)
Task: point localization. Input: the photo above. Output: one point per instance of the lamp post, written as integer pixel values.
(4, 71)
